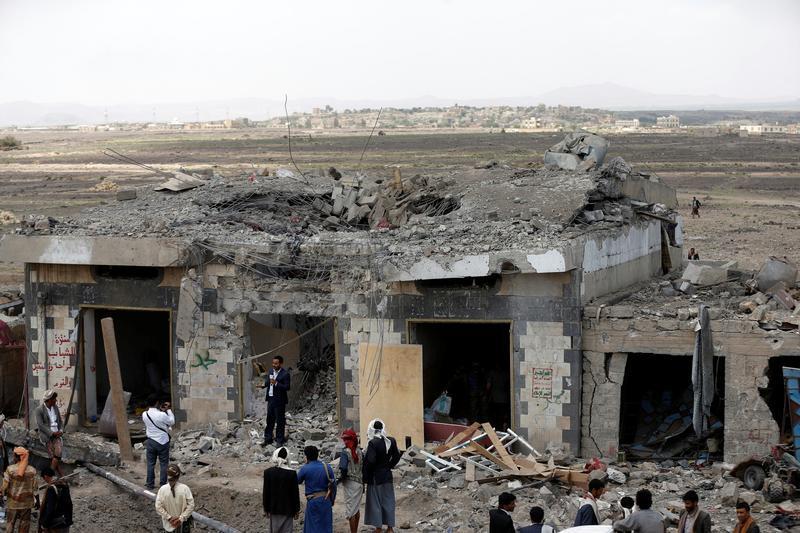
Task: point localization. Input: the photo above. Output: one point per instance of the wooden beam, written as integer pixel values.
(499, 448)
(458, 439)
(115, 382)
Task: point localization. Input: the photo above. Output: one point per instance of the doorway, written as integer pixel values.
(657, 403)
(472, 362)
(144, 347)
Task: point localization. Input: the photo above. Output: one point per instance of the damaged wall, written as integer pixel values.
(617, 261)
(603, 374)
(749, 425)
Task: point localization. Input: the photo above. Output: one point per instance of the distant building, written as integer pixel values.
(531, 123)
(632, 123)
(668, 122)
(760, 129)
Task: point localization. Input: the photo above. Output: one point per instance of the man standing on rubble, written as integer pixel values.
(693, 520)
(320, 492)
(51, 428)
(381, 457)
(744, 521)
(278, 385)
(157, 421)
(645, 520)
(537, 523)
(19, 485)
(588, 514)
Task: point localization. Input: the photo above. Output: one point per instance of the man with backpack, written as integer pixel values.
(55, 514)
(157, 421)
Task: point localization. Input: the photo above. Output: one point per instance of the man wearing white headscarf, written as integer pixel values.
(280, 497)
(382, 455)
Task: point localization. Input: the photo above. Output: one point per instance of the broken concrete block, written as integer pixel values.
(458, 481)
(205, 444)
(331, 222)
(687, 288)
(729, 495)
(126, 194)
(760, 298)
(698, 274)
(560, 160)
(774, 270)
(492, 215)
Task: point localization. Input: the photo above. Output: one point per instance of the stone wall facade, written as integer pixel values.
(750, 428)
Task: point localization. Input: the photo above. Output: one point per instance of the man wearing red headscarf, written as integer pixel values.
(350, 462)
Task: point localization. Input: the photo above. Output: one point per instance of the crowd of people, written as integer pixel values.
(635, 515)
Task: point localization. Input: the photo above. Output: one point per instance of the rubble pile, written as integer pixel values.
(768, 297)
(12, 318)
(477, 210)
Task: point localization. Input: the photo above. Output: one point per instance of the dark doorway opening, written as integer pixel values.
(774, 394)
(144, 350)
(306, 344)
(657, 403)
(471, 361)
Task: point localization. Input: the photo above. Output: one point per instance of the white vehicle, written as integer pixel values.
(588, 529)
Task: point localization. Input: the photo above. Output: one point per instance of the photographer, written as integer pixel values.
(157, 421)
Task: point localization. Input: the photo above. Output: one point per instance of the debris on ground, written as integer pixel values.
(7, 217)
(106, 185)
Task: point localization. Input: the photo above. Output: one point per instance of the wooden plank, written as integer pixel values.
(390, 388)
(499, 448)
(470, 474)
(480, 450)
(458, 439)
(115, 382)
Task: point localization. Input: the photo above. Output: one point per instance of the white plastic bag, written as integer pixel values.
(441, 405)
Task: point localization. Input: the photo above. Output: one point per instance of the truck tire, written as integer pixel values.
(753, 477)
(775, 491)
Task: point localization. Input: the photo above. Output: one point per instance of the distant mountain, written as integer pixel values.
(603, 96)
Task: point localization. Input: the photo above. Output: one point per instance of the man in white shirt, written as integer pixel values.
(157, 421)
(175, 503)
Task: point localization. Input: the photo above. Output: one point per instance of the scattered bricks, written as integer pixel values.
(126, 194)
(669, 292)
(760, 298)
(331, 222)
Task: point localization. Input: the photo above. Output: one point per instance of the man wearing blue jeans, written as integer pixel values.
(157, 421)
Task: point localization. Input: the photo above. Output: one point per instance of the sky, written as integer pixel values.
(106, 52)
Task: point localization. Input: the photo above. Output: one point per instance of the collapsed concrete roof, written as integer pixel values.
(396, 222)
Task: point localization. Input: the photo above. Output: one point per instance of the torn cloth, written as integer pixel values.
(702, 372)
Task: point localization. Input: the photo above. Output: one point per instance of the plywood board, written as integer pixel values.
(390, 388)
(265, 338)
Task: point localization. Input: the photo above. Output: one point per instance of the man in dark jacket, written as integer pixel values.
(537, 523)
(693, 520)
(55, 515)
(588, 514)
(500, 520)
(278, 385)
(280, 498)
(382, 455)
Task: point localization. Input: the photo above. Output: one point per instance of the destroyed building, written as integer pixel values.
(405, 284)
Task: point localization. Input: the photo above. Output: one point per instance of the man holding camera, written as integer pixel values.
(157, 421)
